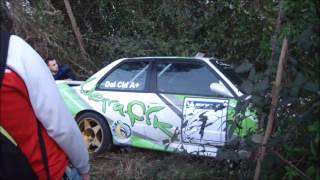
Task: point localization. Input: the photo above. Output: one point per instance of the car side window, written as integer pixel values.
(129, 76)
(187, 78)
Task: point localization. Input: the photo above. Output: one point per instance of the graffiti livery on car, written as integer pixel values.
(159, 121)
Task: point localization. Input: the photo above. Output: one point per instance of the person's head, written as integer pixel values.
(6, 20)
(53, 65)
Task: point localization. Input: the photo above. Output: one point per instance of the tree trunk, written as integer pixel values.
(75, 28)
(77, 33)
(277, 30)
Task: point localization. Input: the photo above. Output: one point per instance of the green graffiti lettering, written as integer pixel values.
(155, 122)
(88, 93)
(104, 104)
(118, 108)
(85, 83)
(112, 101)
(96, 97)
(152, 110)
(162, 126)
(132, 116)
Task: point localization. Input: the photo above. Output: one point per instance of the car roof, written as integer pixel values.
(172, 57)
(213, 60)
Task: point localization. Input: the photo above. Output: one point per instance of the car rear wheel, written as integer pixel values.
(95, 131)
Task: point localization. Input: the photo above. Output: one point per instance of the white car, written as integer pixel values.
(175, 104)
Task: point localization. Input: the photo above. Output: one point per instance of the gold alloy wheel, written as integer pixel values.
(92, 133)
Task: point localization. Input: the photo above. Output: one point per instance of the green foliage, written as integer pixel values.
(296, 131)
(178, 28)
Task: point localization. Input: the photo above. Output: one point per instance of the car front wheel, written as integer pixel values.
(95, 131)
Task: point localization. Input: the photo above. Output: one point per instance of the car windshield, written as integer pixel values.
(228, 71)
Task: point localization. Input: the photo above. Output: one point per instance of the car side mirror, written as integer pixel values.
(220, 89)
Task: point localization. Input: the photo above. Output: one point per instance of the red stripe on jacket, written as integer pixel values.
(18, 118)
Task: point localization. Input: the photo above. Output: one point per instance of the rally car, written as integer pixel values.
(175, 104)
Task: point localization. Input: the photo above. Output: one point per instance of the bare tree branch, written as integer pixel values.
(301, 174)
(274, 103)
(277, 31)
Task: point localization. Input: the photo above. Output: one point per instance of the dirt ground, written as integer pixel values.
(123, 164)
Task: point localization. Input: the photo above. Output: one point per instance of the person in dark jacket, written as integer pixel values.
(60, 72)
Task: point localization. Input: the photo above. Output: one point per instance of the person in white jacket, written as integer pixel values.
(29, 94)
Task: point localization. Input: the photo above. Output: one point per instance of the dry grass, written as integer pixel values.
(144, 164)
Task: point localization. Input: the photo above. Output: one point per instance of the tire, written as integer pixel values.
(96, 132)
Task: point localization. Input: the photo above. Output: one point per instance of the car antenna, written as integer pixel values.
(200, 54)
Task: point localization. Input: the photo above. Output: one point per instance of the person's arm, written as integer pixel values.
(47, 103)
(69, 74)
(85, 176)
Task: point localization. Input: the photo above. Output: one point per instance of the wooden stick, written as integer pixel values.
(271, 118)
(301, 174)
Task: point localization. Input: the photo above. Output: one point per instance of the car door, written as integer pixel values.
(184, 85)
(135, 114)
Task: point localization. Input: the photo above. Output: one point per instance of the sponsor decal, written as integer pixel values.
(206, 105)
(121, 84)
(202, 114)
(121, 131)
